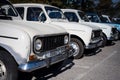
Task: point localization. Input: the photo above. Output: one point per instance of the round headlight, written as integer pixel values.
(66, 39)
(38, 44)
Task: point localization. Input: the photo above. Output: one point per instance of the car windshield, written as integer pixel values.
(54, 13)
(93, 17)
(104, 19)
(111, 20)
(6, 9)
(71, 16)
(83, 16)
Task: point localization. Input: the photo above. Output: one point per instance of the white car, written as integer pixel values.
(28, 46)
(110, 33)
(82, 36)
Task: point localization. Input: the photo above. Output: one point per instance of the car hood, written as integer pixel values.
(72, 26)
(95, 27)
(101, 25)
(35, 28)
(115, 25)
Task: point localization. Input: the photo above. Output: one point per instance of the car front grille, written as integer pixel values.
(114, 30)
(97, 33)
(52, 42)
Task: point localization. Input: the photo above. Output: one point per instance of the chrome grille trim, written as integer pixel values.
(50, 42)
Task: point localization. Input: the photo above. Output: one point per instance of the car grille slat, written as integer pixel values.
(97, 33)
(52, 42)
(114, 30)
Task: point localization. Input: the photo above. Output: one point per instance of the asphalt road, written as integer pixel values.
(100, 65)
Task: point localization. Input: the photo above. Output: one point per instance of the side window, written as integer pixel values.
(72, 17)
(33, 13)
(20, 11)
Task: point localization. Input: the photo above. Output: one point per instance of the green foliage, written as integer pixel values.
(88, 6)
(104, 6)
(30, 1)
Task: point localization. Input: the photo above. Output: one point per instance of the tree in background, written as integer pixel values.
(30, 1)
(88, 5)
(85, 5)
(105, 6)
(116, 8)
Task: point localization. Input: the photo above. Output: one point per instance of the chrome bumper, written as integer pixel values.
(96, 44)
(60, 56)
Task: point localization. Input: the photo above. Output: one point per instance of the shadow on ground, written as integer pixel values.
(46, 73)
(95, 51)
(92, 52)
(111, 43)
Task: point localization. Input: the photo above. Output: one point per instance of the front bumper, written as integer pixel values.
(37, 64)
(95, 44)
(114, 37)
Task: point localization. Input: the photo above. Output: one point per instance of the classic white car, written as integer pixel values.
(27, 46)
(109, 33)
(82, 36)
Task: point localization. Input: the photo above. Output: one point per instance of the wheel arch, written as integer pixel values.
(104, 34)
(2, 48)
(74, 36)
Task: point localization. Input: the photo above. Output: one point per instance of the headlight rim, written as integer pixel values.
(35, 45)
(66, 39)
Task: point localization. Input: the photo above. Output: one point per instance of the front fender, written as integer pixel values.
(84, 36)
(18, 45)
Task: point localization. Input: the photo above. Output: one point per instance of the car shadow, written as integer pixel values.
(110, 44)
(47, 73)
(92, 52)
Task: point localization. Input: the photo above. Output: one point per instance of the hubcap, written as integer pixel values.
(75, 46)
(3, 72)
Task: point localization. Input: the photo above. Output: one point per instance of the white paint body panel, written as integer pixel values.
(20, 48)
(105, 28)
(82, 31)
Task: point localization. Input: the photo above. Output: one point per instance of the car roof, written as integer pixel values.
(32, 4)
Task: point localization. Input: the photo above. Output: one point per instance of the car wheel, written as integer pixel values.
(8, 67)
(104, 39)
(118, 35)
(77, 47)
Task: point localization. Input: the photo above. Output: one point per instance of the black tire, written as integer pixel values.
(104, 40)
(109, 42)
(118, 35)
(78, 48)
(8, 66)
